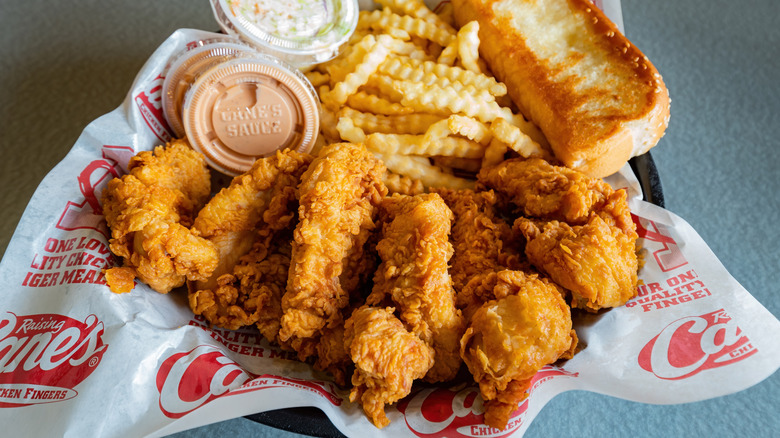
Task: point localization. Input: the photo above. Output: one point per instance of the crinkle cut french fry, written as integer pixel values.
(385, 86)
(370, 123)
(317, 78)
(470, 128)
(437, 131)
(441, 98)
(527, 127)
(408, 48)
(494, 153)
(403, 68)
(468, 46)
(340, 67)
(434, 99)
(381, 19)
(449, 54)
(405, 144)
(397, 183)
(367, 102)
(349, 132)
(356, 36)
(438, 141)
(417, 9)
(421, 169)
(516, 139)
(397, 72)
(362, 73)
(455, 147)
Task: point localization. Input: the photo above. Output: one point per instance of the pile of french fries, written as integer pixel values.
(415, 91)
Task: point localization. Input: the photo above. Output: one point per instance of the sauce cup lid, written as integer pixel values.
(187, 65)
(247, 108)
(300, 32)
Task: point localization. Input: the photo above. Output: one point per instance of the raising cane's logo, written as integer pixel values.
(436, 412)
(43, 357)
(694, 344)
(149, 103)
(189, 380)
(93, 179)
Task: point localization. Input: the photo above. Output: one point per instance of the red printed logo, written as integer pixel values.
(694, 344)
(149, 103)
(669, 257)
(436, 412)
(189, 380)
(43, 357)
(88, 214)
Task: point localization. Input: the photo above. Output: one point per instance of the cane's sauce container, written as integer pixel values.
(187, 65)
(248, 107)
(241, 96)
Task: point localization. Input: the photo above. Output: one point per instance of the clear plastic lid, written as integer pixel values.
(246, 108)
(300, 32)
(187, 65)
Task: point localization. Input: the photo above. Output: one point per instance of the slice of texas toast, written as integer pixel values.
(595, 96)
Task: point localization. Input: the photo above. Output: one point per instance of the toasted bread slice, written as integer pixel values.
(595, 96)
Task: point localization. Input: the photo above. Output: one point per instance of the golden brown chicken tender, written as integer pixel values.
(251, 223)
(252, 292)
(387, 360)
(512, 337)
(482, 240)
(596, 262)
(148, 212)
(546, 191)
(262, 197)
(338, 197)
(179, 168)
(414, 250)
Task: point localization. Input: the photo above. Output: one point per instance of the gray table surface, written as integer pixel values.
(63, 64)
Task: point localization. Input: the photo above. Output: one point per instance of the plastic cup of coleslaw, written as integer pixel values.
(300, 32)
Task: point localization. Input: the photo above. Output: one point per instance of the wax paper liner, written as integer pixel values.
(94, 363)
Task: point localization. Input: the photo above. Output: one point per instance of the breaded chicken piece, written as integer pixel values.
(615, 213)
(332, 354)
(512, 337)
(587, 244)
(413, 275)
(179, 168)
(149, 211)
(545, 191)
(596, 262)
(498, 284)
(251, 223)
(252, 292)
(387, 360)
(478, 236)
(338, 197)
(262, 197)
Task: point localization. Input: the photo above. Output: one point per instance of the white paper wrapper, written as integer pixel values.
(93, 363)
